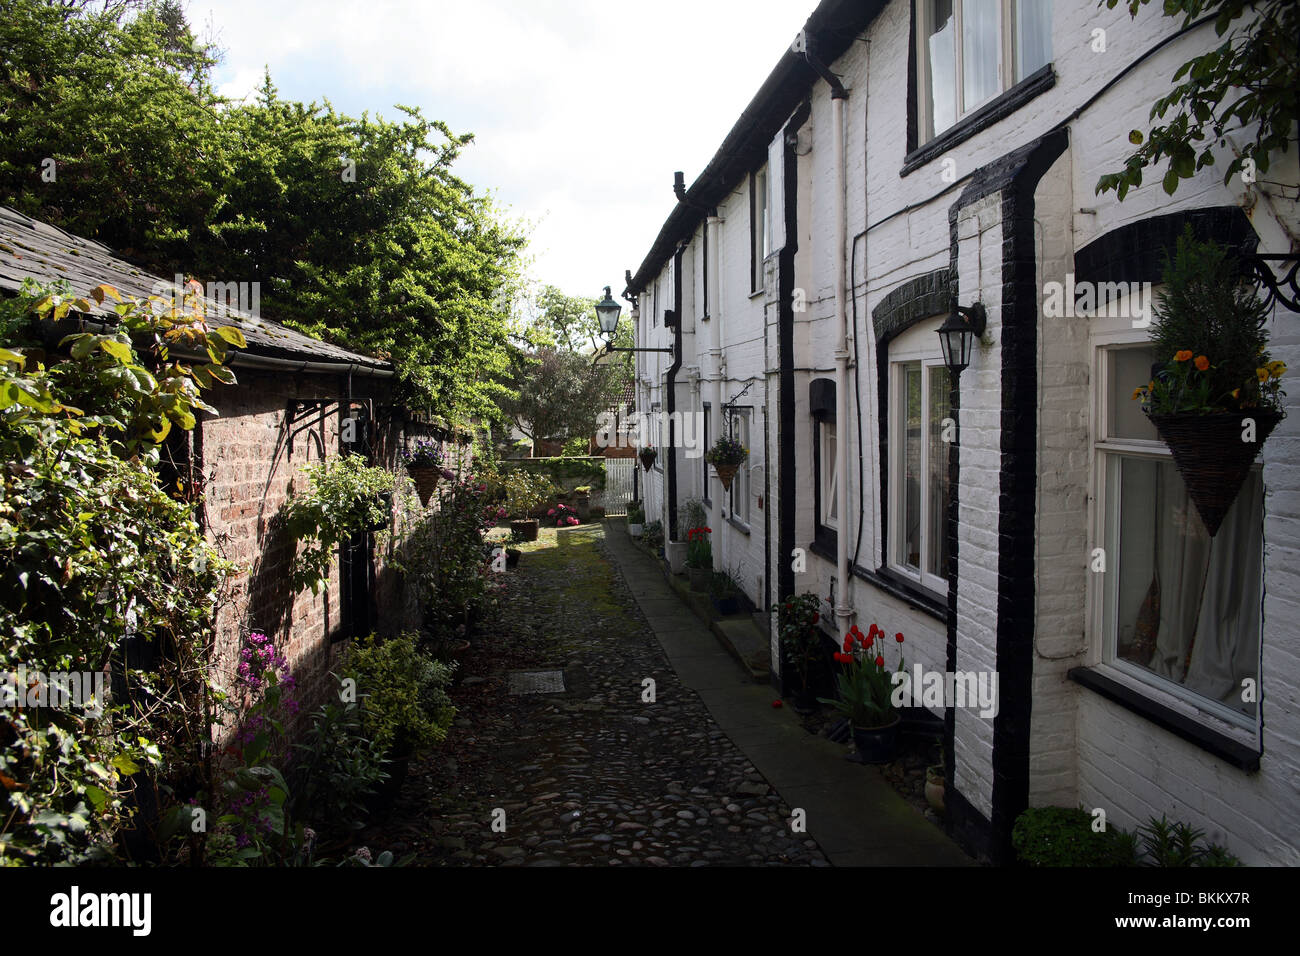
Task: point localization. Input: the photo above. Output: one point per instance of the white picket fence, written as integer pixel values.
(618, 485)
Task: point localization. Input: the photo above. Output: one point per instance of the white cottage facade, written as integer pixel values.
(882, 172)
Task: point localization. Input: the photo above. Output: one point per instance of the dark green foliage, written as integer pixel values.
(404, 692)
(336, 769)
(357, 229)
(1207, 308)
(1061, 836)
(1252, 77)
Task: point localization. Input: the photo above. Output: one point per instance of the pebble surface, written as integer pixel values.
(598, 775)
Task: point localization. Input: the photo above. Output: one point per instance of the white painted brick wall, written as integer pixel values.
(1083, 748)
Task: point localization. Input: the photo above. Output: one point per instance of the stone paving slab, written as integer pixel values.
(853, 813)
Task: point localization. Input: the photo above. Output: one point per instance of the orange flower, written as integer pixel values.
(1182, 355)
(1202, 363)
(1261, 374)
(1137, 392)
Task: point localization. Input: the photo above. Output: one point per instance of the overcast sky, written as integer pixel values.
(558, 94)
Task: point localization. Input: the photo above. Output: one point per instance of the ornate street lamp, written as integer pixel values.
(958, 333)
(607, 313)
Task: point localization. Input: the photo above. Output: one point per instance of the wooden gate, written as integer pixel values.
(618, 485)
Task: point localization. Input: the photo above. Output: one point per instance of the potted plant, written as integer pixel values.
(564, 516)
(797, 620)
(653, 536)
(1216, 396)
(424, 463)
(724, 594)
(524, 493)
(726, 456)
(344, 498)
(865, 692)
(648, 454)
(675, 553)
(582, 502)
(635, 519)
(699, 558)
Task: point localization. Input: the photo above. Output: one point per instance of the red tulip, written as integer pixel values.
(899, 637)
(880, 661)
(848, 645)
(776, 703)
(816, 616)
(855, 630)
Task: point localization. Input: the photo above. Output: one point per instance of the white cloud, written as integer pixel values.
(581, 110)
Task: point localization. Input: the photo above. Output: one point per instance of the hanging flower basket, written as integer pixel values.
(1212, 457)
(426, 481)
(648, 456)
(726, 456)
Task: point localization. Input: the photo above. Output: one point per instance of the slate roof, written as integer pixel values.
(30, 248)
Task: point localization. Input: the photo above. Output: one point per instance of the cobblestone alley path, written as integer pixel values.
(593, 775)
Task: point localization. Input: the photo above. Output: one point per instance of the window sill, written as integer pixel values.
(738, 525)
(1213, 742)
(913, 595)
(755, 293)
(996, 109)
(825, 545)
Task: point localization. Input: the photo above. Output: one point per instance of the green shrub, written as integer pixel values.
(653, 534)
(1061, 836)
(403, 691)
(336, 769)
(96, 556)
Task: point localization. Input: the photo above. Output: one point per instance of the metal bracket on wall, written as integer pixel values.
(301, 410)
(1286, 289)
(729, 408)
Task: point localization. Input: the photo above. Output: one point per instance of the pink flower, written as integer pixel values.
(551, 513)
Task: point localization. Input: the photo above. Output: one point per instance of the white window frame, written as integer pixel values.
(829, 473)
(898, 359)
(760, 227)
(1006, 65)
(738, 497)
(1107, 452)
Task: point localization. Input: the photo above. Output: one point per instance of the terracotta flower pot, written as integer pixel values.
(1209, 453)
(725, 474)
(934, 787)
(699, 578)
(426, 481)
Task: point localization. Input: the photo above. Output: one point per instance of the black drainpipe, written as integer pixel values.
(785, 361)
(672, 391)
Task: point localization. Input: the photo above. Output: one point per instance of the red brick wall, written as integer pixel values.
(249, 469)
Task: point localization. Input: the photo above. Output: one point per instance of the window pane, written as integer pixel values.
(1033, 36)
(830, 474)
(911, 490)
(1187, 605)
(979, 51)
(937, 512)
(1129, 368)
(942, 48)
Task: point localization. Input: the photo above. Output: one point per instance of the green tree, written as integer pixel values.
(357, 229)
(1249, 82)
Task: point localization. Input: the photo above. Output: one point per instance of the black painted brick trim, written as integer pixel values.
(922, 297)
(1136, 252)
